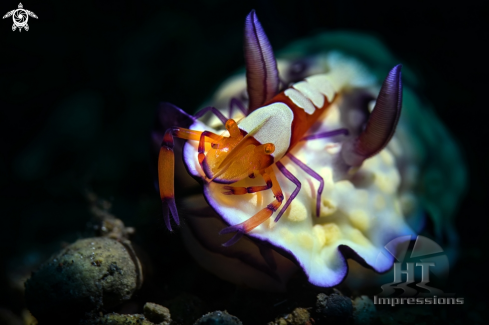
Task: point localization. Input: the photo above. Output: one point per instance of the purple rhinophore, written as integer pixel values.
(261, 68)
(214, 110)
(311, 172)
(236, 102)
(381, 124)
(327, 134)
(294, 180)
(384, 117)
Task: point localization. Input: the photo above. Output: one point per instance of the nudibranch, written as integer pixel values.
(301, 167)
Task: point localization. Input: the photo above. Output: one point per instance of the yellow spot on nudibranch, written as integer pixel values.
(327, 208)
(386, 184)
(408, 203)
(397, 206)
(387, 157)
(296, 211)
(344, 186)
(370, 165)
(332, 233)
(320, 234)
(379, 202)
(358, 238)
(361, 196)
(305, 240)
(359, 219)
(286, 235)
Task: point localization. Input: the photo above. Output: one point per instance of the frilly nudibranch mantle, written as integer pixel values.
(300, 160)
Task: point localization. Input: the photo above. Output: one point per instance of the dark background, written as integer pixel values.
(79, 89)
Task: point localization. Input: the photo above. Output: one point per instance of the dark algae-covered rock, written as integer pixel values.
(157, 313)
(185, 308)
(153, 315)
(83, 277)
(300, 316)
(218, 318)
(334, 309)
(118, 319)
(364, 310)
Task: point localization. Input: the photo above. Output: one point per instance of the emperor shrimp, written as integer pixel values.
(277, 119)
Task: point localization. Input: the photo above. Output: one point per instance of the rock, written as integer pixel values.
(218, 318)
(85, 276)
(157, 314)
(334, 309)
(364, 310)
(185, 308)
(117, 319)
(299, 316)
(104, 223)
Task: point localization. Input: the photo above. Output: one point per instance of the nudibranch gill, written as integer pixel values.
(304, 165)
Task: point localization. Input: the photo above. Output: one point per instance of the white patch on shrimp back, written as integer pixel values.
(322, 84)
(300, 100)
(315, 96)
(271, 124)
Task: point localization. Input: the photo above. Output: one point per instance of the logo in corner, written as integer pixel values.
(20, 17)
(425, 257)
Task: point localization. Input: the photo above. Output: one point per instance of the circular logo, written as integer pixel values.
(20, 17)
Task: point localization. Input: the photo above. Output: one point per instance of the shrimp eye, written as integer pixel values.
(269, 148)
(232, 127)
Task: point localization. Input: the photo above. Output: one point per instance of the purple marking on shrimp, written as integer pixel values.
(327, 134)
(311, 172)
(294, 180)
(166, 214)
(173, 209)
(236, 102)
(214, 110)
(239, 233)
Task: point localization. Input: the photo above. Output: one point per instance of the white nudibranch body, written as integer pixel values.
(362, 213)
(317, 166)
